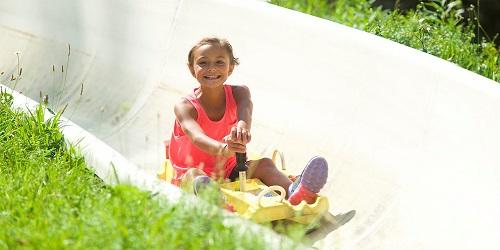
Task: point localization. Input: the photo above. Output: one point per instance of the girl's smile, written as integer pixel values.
(212, 77)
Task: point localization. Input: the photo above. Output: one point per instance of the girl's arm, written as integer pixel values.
(186, 115)
(245, 107)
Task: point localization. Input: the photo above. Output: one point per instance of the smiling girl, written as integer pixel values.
(213, 124)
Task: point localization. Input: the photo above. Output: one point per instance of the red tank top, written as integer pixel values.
(183, 154)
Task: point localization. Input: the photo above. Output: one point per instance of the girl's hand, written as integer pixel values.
(240, 135)
(234, 145)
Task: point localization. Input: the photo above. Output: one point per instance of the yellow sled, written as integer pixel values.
(251, 199)
(261, 203)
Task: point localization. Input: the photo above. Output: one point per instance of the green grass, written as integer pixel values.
(435, 27)
(50, 199)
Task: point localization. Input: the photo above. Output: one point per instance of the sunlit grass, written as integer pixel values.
(435, 27)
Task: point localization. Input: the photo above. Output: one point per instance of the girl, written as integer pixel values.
(213, 123)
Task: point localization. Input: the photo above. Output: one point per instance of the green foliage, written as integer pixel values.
(50, 199)
(435, 27)
(319, 8)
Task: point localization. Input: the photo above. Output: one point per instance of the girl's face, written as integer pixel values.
(211, 65)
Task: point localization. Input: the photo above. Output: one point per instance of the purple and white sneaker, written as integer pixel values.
(310, 182)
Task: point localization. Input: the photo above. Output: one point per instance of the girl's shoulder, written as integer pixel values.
(184, 106)
(240, 91)
(239, 87)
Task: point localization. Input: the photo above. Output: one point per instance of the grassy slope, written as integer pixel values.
(51, 200)
(435, 27)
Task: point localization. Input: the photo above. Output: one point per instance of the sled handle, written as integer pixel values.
(267, 190)
(282, 158)
(241, 159)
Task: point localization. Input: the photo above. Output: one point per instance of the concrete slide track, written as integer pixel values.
(413, 141)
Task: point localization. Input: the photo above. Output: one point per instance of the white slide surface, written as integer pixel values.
(413, 141)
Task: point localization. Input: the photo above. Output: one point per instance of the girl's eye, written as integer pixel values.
(220, 62)
(202, 63)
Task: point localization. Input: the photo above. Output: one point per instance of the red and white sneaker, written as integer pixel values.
(310, 182)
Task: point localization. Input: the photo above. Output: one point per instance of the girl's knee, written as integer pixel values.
(265, 163)
(261, 163)
(260, 167)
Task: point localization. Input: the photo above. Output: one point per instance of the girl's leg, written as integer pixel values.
(265, 170)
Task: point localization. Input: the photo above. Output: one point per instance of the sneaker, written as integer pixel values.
(310, 182)
(199, 183)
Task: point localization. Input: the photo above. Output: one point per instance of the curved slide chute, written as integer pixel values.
(413, 141)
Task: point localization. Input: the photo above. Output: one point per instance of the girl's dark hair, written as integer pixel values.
(223, 43)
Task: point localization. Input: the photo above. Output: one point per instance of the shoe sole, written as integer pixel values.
(315, 174)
